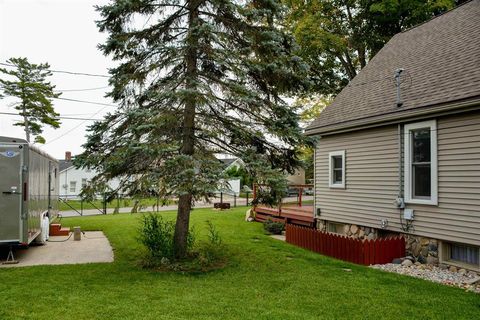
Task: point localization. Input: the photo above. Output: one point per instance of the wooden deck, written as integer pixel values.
(294, 214)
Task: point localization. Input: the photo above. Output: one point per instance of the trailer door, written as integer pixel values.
(11, 160)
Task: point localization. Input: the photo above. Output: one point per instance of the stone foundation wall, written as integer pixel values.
(352, 230)
(421, 249)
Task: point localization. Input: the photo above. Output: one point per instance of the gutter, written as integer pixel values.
(395, 117)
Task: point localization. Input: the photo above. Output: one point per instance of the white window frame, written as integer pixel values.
(330, 169)
(432, 124)
(74, 183)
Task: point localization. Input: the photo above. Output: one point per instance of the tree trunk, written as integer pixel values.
(185, 200)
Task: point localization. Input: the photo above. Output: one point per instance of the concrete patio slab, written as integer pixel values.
(280, 237)
(93, 248)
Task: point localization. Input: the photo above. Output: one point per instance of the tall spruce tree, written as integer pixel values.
(28, 84)
(195, 78)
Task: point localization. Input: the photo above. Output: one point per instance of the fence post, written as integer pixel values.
(247, 197)
(81, 206)
(234, 200)
(104, 203)
(221, 197)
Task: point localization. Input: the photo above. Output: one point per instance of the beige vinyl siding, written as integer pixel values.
(371, 180)
(457, 216)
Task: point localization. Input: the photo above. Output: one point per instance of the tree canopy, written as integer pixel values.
(339, 37)
(195, 78)
(33, 95)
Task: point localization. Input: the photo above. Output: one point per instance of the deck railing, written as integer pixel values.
(300, 191)
(364, 252)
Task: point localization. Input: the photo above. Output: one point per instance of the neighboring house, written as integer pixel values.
(298, 177)
(72, 180)
(411, 165)
(229, 163)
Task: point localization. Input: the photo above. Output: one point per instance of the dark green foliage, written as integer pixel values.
(212, 253)
(194, 79)
(273, 227)
(246, 179)
(156, 234)
(34, 95)
(339, 37)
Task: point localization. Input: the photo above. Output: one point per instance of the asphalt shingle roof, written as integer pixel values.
(441, 59)
(64, 164)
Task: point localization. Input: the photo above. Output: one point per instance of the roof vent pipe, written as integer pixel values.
(398, 72)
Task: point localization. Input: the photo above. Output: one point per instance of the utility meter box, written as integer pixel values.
(408, 214)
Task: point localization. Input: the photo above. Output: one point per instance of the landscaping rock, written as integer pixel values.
(407, 263)
(472, 274)
(416, 248)
(361, 234)
(397, 261)
(443, 266)
(433, 247)
(452, 269)
(371, 236)
(466, 281)
(462, 271)
(432, 260)
(421, 259)
(473, 281)
(354, 229)
(409, 258)
(424, 251)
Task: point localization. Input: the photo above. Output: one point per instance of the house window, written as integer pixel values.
(73, 186)
(421, 163)
(337, 169)
(337, 228)
(84, 183)
(462, 254)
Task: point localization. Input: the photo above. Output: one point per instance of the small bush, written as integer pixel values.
(273, 227)
(211, 253)
(157, 235)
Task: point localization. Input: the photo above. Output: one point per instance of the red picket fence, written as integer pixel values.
(364, 252)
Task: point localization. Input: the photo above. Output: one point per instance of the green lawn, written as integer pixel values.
(265, 279)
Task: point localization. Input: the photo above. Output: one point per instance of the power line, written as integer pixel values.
(89, 102)
(60, 117)
(66, 72)
(76, 90)
(74, 128)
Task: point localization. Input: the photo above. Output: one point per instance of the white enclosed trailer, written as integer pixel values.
(29, 187)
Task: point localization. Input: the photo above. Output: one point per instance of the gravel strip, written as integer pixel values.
(435, 274)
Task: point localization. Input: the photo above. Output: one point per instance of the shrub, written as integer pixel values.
(273, 227)
(157, 235)
(211, 253)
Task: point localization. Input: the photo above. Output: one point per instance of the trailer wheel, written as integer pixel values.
(44, 227)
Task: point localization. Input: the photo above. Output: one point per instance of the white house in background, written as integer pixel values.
(72, 180)
(297, 178)
(231, 163)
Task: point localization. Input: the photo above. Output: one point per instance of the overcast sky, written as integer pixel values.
(62, 33)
